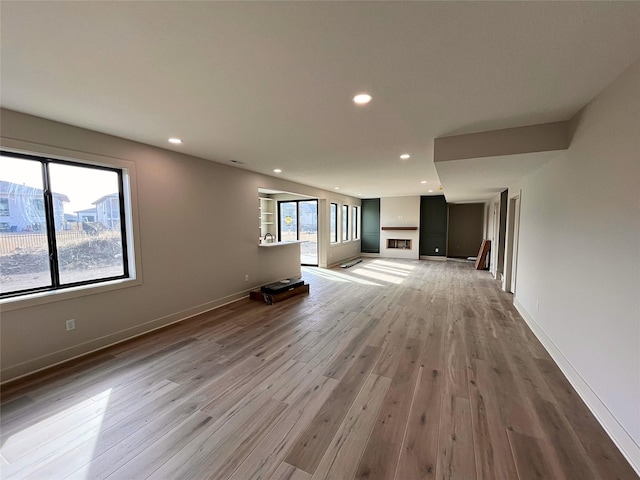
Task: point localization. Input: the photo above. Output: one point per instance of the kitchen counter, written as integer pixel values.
(279, 244)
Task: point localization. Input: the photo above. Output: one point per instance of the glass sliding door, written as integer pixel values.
(288, 224)
(298, 220)
(308, 215)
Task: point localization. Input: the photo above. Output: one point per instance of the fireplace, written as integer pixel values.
(399, 243)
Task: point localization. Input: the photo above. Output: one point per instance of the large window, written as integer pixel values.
(345, 222)
(354, 217)
(49, 244)
(333, 219)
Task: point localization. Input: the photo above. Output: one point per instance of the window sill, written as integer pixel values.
(43, 298)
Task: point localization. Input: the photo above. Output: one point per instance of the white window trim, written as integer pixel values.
(131, 206)
(337, 241)
(342, 229)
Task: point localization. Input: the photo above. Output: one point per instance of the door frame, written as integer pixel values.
(511, 254)
(297, 202)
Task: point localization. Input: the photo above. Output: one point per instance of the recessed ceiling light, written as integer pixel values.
(336, 188)
(404, 156)
(423, 181)
(362, 99)
(277, 170)
(175, 141)
(430, 191)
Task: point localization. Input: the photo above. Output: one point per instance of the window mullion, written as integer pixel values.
(51, 226)
(123, 226)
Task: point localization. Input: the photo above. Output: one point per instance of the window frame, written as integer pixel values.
(354, 216)
(56, 285)
(333, 235)
(345, 223)
(279, 221)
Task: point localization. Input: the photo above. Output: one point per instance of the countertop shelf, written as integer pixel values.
(279, 244)
(399, 228)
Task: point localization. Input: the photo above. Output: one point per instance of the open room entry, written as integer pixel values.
(290, 217)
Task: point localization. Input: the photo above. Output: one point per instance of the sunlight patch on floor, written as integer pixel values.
(76, 427)
(393, 271)
(365, 272)
(335, 276)
(388, 263)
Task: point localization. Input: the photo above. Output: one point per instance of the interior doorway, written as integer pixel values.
(298, 220)
(513, 227)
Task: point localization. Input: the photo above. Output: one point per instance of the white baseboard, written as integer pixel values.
(439, 258)
(625, 443)
(344, 260)
(59, 357)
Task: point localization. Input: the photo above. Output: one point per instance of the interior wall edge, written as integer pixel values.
(625, 443)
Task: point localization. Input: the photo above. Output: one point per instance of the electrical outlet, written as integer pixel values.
(71, 324)
(437, 249)
(246, 278)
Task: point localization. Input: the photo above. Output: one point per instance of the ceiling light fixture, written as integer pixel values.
(175, 141)
(336, 188)
(423, 181)
(405, 156)
(430, 191)
(362, 99)
(277, 170)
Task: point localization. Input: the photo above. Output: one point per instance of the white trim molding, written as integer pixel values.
(622, 439)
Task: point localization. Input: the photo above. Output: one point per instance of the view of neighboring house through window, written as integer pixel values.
(24, 261)
(333, 219)
(4, 207)
(63, 224)
(354, 216)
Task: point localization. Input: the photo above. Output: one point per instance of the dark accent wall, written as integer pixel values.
(370, 241)
(433, 226)
(465, 229)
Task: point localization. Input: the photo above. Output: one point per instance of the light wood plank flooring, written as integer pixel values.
(392, 369)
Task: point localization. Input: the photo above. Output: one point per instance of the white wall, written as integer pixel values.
(196, 234)
(579, 257)
(400, 212)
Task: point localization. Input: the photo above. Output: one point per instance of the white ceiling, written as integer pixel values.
(270, 84)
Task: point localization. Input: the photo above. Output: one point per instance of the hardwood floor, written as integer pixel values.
(392, 369)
